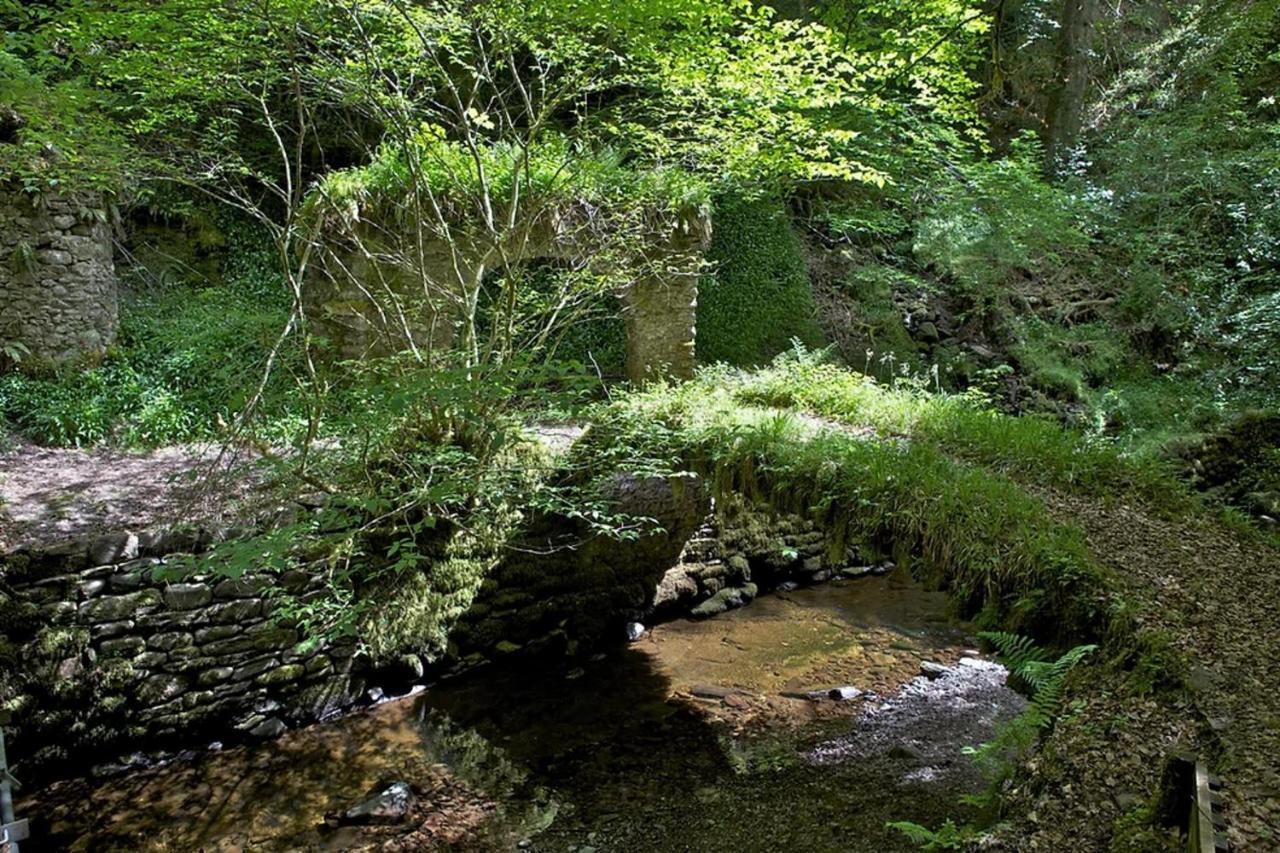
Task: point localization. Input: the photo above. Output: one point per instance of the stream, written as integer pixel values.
(702, 735)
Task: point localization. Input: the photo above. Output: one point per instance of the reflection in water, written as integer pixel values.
(686, 741)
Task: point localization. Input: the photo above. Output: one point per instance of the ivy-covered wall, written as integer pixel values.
(757, 296)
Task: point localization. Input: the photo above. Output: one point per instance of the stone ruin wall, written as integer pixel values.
(368, 307)
(58, 294)
(111, 655)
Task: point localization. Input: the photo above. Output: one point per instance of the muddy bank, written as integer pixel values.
(696, 737)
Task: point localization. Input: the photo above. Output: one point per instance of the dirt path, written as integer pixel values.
(51, 494)
(1216, 596)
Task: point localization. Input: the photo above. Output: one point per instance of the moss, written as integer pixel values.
(59, 643)
(1137, 831)
(962, 526)
(757, 297)
(1068, 362)
(414, 611)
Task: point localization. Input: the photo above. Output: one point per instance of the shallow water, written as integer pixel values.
(690, 739)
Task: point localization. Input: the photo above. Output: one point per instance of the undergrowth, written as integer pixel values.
(1042, 675)
(188, 357)
(1029, 449)
(958, 525)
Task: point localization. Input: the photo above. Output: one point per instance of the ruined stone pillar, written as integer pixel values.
(661, 317)
(661, 308)
(58, 294)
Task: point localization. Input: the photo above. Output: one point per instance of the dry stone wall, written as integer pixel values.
(109, 644)
(564, 590)
(58, 294)
(107, 654)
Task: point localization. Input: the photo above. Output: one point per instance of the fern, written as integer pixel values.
(949, 836)
(1027, 662)
(1044, 679)
(1014, 649)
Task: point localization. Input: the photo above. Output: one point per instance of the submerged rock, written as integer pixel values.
(385, 805)
(845, 693)
(711, 691)
(635, 631)
(854, 572)
(270, 728)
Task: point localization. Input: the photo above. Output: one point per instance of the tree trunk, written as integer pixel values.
(1065, 112)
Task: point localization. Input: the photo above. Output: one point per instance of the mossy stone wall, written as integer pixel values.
(99, 654)
(58, 295)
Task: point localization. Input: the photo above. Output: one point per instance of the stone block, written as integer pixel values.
(92, 588)
(234, 611)
(216, 632)
(122, 647)
(199, 697)
(215, 675)
(151, 660)
(125, 582)
(169, 640)
(107, 630)
(243, 587)
(187, 596)
(115, 608)
(161, 688)
(281, 675)
(113, 548)
(229, 646)
(54, 257)
(255, 668)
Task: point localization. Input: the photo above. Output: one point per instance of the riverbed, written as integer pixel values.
(719, 734)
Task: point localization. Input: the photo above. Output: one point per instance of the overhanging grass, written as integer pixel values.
(958, 526)
(1028, 449)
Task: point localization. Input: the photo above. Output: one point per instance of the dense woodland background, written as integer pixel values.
(1070, 208)
(1030, 246)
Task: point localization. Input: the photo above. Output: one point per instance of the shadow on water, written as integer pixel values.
(612, 756)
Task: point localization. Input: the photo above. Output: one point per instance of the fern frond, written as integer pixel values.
(1027, 662)
(914, 832)
(1015, 649)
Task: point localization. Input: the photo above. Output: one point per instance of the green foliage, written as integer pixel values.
(878, 342)
(1031, 666)
(958, 525)
(1032, 449)
(1043, 676)
(434, 475)
(922, 52)
(1069, 362)
(999, 223)
(552, 171)
(188, 355)
(53, 134)
(760, 754)
(949, 836)
(757, 298)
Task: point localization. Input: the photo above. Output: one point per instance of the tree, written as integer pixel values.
(1066, 103)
